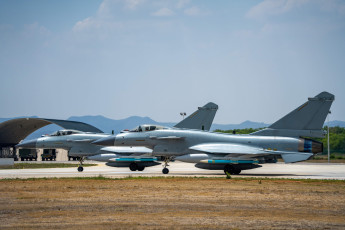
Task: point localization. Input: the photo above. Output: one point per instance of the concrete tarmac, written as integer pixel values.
(278, 170)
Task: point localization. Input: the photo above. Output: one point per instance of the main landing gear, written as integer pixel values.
(135, 167)
(166, 161)
(231, 169)
(80, 167)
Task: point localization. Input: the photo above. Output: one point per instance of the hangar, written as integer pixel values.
(15, 130)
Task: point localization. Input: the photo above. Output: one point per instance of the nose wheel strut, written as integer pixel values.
(166, 161)
(80, 167)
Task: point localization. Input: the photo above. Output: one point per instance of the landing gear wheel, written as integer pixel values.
(133, 167)
(237, 171)
(166, 161)
(80, 168)
(229, 168)
(165, 171)
(141, 168)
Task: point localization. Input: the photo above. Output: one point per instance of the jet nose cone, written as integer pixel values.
(30, 144)
(106, 141)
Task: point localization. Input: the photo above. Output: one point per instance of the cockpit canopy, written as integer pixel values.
(65, 132)
(146, 128)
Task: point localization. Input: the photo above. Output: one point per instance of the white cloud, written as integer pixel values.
(108, 7)
(133, 4)
(274, 7)
(35, 29)
(84, 24)
(163, 12)
(196, 11)
(269, 8)
(182, 3)
(95, 24)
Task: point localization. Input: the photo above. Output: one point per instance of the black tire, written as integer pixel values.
(237, 171)
(80, 169)
(165, 171)
(229, 168)
(141, 168)
(22, 158)
(133, 167)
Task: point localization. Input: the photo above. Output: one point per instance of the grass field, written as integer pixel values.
(178, 203)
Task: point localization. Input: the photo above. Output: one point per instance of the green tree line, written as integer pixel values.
(336, 137)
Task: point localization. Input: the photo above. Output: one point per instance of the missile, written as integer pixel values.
(132, 159)
(104, 157)
(111, 157)
(207, 158)
(211, 161)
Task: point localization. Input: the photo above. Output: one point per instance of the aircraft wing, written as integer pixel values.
(237, 150)
(126, 150)
(228, 149)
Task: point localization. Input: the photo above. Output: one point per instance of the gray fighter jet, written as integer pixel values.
(233, 153)
(136, 158)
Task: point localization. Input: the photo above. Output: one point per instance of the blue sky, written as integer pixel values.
(257, 60)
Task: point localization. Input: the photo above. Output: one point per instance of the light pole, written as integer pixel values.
(183, 114)
(328, 148)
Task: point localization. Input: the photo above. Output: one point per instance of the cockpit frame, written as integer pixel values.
(147, 128)
(64, 132)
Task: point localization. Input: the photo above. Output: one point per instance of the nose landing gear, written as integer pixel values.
(80, 167)
(166, 161)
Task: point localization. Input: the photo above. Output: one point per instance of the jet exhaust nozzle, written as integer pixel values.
(310, 146)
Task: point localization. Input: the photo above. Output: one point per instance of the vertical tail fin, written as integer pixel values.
(201, 119)
(306, 120)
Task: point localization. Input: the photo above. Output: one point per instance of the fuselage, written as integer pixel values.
(177, 142)
(78, 144)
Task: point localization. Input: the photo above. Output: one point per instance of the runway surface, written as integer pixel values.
(278, 170)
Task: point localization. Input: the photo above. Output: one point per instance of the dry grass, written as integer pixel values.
(172, 203)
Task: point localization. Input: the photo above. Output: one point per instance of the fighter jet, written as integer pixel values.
(136, 158)
(284, 139)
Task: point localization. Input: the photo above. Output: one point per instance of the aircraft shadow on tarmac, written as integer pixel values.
(242, 174)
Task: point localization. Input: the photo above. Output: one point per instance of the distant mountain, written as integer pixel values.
(243, 125)
(335, 123)
(107, 124)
